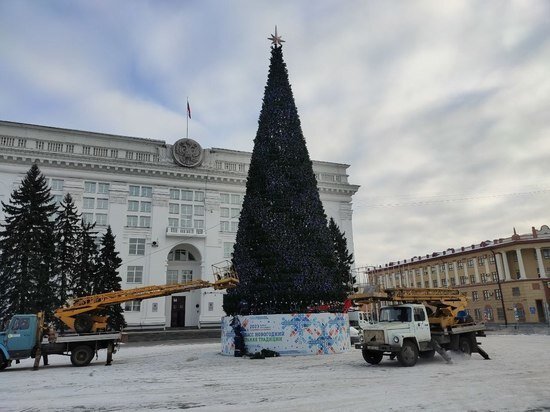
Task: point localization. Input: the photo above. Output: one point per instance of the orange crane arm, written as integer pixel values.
(74, 315)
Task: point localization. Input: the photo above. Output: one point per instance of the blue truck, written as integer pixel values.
(26, 337)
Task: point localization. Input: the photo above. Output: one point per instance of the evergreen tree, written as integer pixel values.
(283, 253)
(344, 259)
(67, 226)
(26, 249)
(86, 260)
(107, 279)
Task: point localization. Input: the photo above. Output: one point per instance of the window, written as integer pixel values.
(101, 219)
(172, 222)
(463, 280)
(450, 266)
(134, 190)
(146, 207)
(481, 260)
(224, 197)
(235, 199)
(131, 221)
(199, 210)
(137, 246)
(472, 279)
(187, 195)
(103, 188)
(133, 205)
(102, 203)
(477, 314)
(228, 249)
(484, 278)
(486, 295)
(40, 145)
(186, 216)
(174, 194)
(134, 274)
(186, 276)
(489, 313)
(89, 187)
(144, 221)
(444, 283)
(114, 153)
(199, 227)
(129, 155)
(516, 292)
(59, 198)
(470, 263)
(224, 212)
(88, 217)
(500, 313)
(224, 226)
(460, 264)
(442, 267)
(432, 269)
(494, 276)
(546, 253)
(88, 203)
(419, 284)
(234, 227)
(435, 283)
(475, 296)
(235, 213)
(146, 191)
(417, 271)
(419, 315)
(498, 296)
(171, 277)
(57, 184)
(199, 196)
(132, 306)
(180, 255)
(492, 259)
(453, 281)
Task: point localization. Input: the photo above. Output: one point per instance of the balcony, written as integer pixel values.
(185, 232)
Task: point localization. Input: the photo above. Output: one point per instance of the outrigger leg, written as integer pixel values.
(441, 351)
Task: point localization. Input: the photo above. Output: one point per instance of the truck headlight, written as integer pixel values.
(396, 339)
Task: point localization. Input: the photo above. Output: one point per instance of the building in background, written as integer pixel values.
(174, 209)
(506, 279)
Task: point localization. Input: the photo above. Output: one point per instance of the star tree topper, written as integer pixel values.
(276, 40)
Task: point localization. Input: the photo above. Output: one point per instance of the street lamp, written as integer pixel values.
(500, 288)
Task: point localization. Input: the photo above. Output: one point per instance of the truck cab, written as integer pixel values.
(402, 331)
(18, 340)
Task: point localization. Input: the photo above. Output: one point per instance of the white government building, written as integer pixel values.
(174, 209)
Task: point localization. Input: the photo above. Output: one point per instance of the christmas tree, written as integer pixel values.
(27, 253)
(344, 259)
(86, 259)
(283, 253)
(67, 226)
(107, 278)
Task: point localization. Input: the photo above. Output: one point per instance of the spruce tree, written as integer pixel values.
(283, 253)
(86, 259)
(344, 259)
(26, 249)
(67, 226)
(107, 278)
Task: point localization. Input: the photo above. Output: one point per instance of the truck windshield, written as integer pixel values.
(395, 314)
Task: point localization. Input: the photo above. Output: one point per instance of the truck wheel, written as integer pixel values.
(408, 355)
(83, 323)
(465, 346)
(81, 355)
(429, 354)
(372, 356)
(3, 362)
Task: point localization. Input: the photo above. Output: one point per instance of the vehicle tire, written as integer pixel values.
(83, 323)
(408, 356)
(429, 354)
(81, 355)
(465, 346)
(3, 362)
(372, 356)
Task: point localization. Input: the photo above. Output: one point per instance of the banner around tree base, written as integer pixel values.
(290, 334)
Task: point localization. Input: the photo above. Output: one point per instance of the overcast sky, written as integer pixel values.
(440, 107)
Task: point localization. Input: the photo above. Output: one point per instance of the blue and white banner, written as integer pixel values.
(290, 334)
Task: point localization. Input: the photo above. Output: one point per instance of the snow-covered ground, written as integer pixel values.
(187, 376)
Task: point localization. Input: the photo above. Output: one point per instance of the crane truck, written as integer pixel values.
(417, 323)
(26, 335)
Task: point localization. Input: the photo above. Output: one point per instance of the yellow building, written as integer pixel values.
(506, 279)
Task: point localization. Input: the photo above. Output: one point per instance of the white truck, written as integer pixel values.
(412, 329)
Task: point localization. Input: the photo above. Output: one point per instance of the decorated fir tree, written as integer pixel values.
(86, 259)
(283, 253)
(67, 235)
(27, 252)
(107, 278)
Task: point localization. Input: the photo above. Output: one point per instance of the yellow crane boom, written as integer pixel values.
(79, 314)
(448, 302)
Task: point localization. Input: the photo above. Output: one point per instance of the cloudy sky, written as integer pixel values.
(440, 107)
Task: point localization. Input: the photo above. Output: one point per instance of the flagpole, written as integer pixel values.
(187, 116)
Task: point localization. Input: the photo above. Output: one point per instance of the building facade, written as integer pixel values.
(507, 280)
(174, 209)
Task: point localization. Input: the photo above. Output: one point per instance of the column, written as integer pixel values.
(540, 263)
(500, 269)
(438, 274)
(457, 278)
(430, 278)
(506, 266)
(465, 269)
(447, 275)
(488, 270)
(478, 279)
(520, 264)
